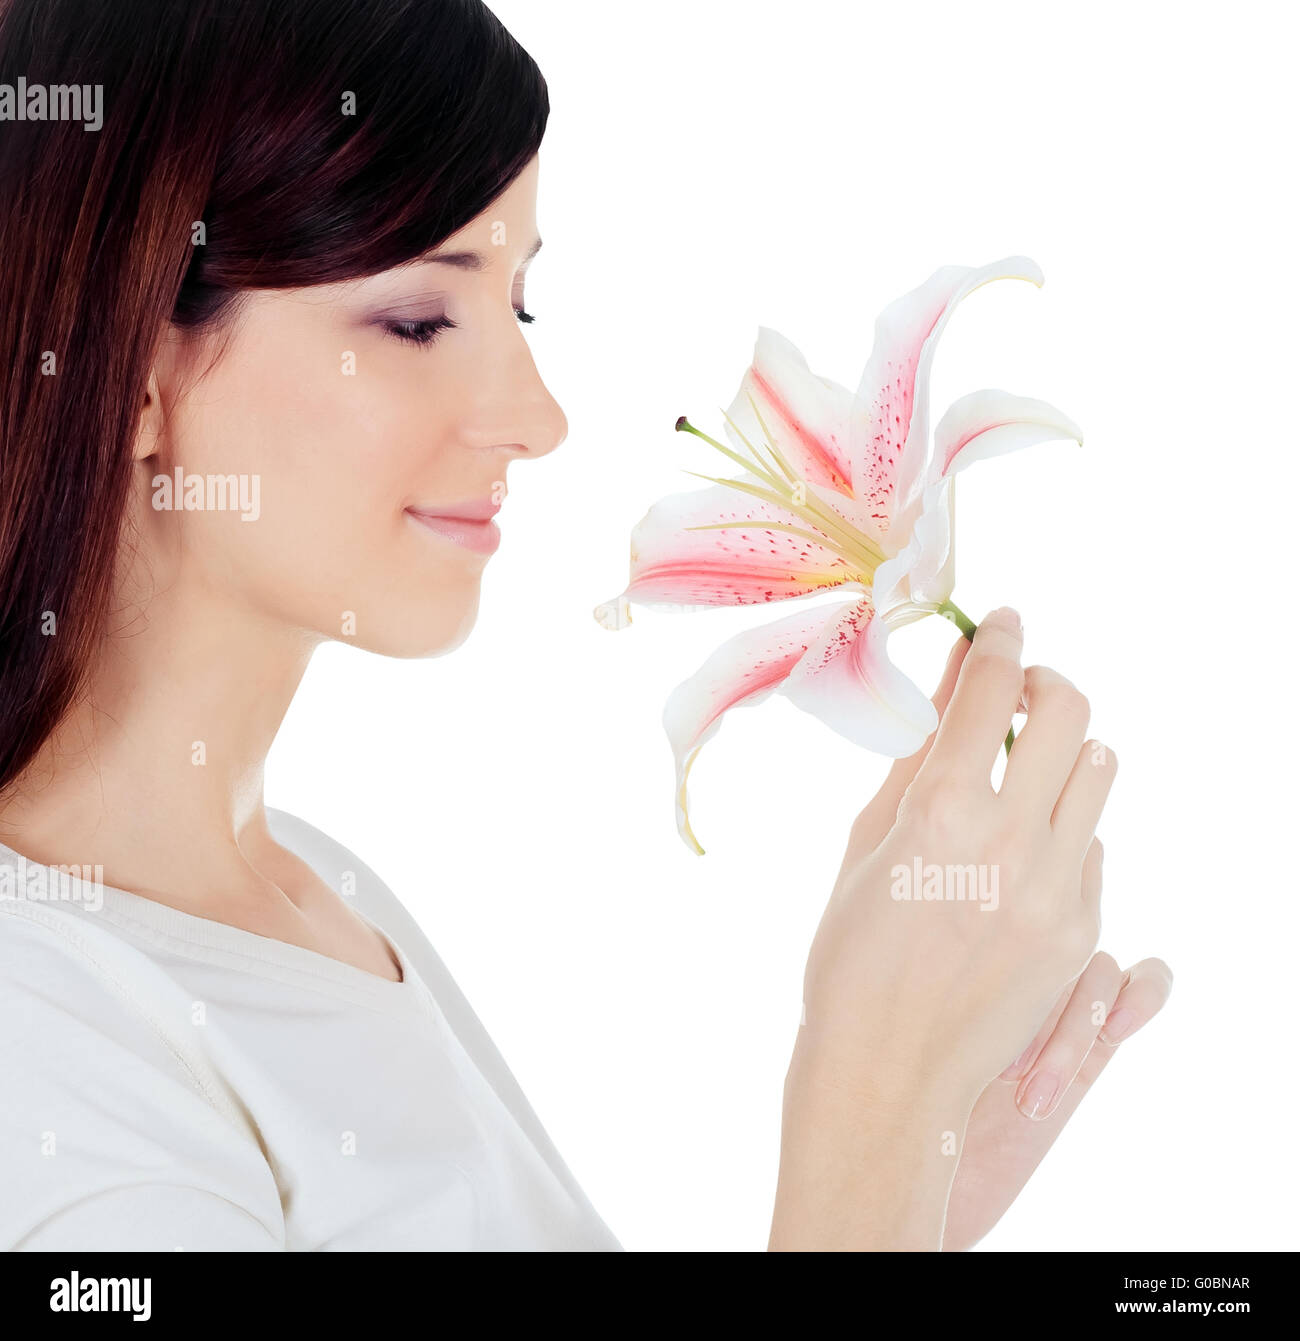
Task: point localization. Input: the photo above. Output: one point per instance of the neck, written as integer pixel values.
(156, 774)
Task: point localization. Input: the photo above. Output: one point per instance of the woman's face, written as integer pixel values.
(369, 426)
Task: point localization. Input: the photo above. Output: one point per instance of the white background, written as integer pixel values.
(711, 166)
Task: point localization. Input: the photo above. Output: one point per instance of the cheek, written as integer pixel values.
(335, 454)
(336, 459)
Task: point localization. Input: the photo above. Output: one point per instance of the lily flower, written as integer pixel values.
(838, 490)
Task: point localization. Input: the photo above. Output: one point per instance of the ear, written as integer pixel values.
(149, 427)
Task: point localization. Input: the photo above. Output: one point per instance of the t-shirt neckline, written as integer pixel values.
(208, 939)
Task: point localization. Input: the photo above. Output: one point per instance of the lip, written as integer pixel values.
(469, 525)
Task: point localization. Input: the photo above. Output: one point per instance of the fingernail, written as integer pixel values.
(1037, 1095)
(1117, 1025)
(1014, 1071)
(1005, 617)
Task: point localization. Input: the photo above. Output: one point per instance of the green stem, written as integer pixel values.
(954, 614)
(964, 622)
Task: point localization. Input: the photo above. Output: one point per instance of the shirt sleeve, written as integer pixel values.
(111, 1137)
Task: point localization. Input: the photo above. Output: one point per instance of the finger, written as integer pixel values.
(1054, 1069)
(987, 693)
(877, 817)
(1083, 797)
(1044, 753)
(1146, 989)
(1090, 877)
(904, 770)
(1151, 981)
(942, 698)
(1036, 1044)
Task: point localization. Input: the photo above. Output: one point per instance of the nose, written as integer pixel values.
(515, 411)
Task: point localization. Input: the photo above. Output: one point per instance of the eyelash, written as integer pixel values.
(424, 333)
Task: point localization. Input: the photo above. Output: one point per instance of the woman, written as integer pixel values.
(264, 382)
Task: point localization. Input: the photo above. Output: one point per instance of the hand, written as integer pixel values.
(1023, 1111)
(912, 1006)
(952, 984)
(1016, 1119)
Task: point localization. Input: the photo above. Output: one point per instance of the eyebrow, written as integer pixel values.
(471, 260)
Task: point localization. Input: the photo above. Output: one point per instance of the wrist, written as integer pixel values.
(868, 1152)
(895, 1063)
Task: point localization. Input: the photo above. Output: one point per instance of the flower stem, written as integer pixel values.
(964, 622)
(954, 614)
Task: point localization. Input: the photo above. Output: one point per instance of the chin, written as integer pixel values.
(432, 630)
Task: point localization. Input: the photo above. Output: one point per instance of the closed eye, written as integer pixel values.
(424, 333)
(419, 332)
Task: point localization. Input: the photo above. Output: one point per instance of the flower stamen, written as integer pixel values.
(857, 548)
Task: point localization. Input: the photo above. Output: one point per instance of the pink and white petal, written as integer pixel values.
(808, 417)
(891, 419)
(935, 575)
(743, 565)
(847, 679)
(745, 670)
(991, 423)
(921, 575)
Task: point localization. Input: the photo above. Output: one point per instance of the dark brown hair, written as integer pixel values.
(314, 140)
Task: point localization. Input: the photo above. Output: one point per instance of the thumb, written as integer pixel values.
(904, 770)
(878, 817)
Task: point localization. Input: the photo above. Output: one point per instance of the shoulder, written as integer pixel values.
(51, 954)
(82, 1002)
(106, 1085)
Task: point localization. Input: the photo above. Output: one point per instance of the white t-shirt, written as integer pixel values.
(169, 1082)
